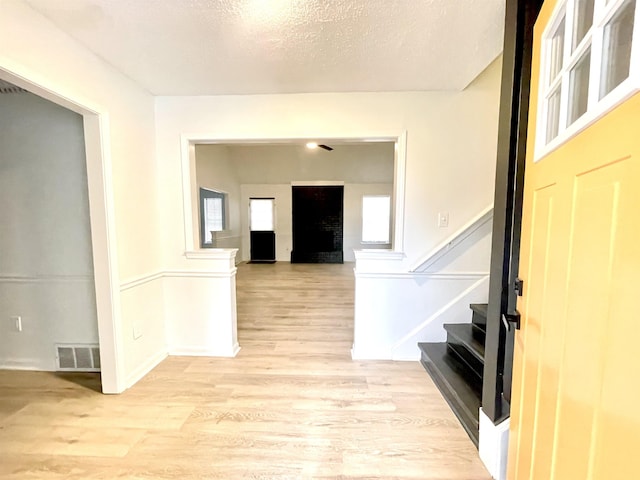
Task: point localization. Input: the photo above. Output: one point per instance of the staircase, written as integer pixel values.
(456, 367)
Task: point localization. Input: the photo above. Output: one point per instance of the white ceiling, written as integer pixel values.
(209, 47)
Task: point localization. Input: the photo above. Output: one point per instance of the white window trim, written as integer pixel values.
(596, 108)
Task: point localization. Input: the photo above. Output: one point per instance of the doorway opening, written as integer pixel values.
(46, 270)
(262, 230)
(275, 169)
(252, 169)
(101, 251)
(317, 218)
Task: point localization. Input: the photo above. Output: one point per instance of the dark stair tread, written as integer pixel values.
(449, 375)
(464, 333)
(480, 308)
(479, 316)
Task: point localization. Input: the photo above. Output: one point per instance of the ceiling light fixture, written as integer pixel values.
(312, 145)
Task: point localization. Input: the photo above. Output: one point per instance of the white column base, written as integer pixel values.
(494, 446)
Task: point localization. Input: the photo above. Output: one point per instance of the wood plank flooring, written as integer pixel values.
(291, 405)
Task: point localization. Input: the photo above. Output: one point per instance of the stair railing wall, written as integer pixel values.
(399, 303)
(454, 241)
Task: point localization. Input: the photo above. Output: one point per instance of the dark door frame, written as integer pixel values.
(520, 18)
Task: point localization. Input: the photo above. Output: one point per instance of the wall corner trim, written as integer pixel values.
(200, 274)
(150, 277)
(494, 446)
(212, 254)
(187, 351)
(141, 280)
(144, 369)
(375, 254)
(423, 275)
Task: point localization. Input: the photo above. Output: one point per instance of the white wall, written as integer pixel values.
(451, 144)
(352, 233)
(216, 171)
(46, 267)
(34, 52)
(349, 163)
(200, 306)
(396, 309)
(450, 164)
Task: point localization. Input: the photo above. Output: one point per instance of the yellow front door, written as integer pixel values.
(576, 376)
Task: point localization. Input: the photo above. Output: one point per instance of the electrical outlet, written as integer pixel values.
(443, 219)
(137, 331)
(16, 322)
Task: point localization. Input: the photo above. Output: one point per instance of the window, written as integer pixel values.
(213, 216)
(261, 214)
(579, 87)
(582, 20)
(616, 59)
(590, 63)
(376, 219)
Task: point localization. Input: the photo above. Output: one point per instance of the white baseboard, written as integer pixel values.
(24, 367)
(494, 446)
(232, 351)
(137, 375)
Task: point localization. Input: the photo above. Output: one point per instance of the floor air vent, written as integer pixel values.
(78, 358)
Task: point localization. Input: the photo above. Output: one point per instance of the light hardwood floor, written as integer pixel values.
(291, 405)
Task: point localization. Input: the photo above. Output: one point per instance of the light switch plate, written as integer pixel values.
(16, 322)
(443, 219)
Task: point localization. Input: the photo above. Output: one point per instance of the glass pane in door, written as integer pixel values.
(553, 115)
(583, 19)
(579, 88)
(261, 214)
(556, 52)
(616, 51)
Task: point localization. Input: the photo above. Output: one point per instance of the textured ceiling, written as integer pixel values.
(208, 47)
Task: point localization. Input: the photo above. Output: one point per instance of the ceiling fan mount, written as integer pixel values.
(313, 145)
